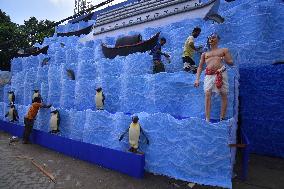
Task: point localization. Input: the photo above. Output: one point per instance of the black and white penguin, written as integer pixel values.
(100, 99)
(134, 135)
(54, 121)
(36, 94)
(11, 97)
(12, 114)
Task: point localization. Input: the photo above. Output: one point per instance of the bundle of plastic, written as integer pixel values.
(97, 53)
(22, 112)
(167, 92)
(46, 41)
(77, 119)
(51, 53)
(5, 78)
(150, 32)
(97, 128)
(44, 91)
(67, 27)
(42, 120)
(6, 89)
(84, 94)
(86, 70)
(28, 93)
(137, 64)
(16, 65)
(273, 52)
(30, 76)
(1, 94)
(149, 94)
(82, 25)
(112, 67)
(60, 57)
(111, 89)
(5, 111)
(73, 27)
(60, 29)
(54, 85)
(18, 87)
(71, 41)
(132, 94)
(175, 64)
(100, 71)
(42, 74)
(171, 139)
(86, 53)
(89, 44)
(120, 123)
(71, 55)
(67, 98)
(65, 123)
(2, 113)
(109, 41)
(31, 62)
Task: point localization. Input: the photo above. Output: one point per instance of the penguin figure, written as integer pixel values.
(54, 121)
(36, 94)
(12, 114)
(100, 99)
(134, 135)
(11, 97)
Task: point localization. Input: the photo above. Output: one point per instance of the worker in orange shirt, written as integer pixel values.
(30, 117)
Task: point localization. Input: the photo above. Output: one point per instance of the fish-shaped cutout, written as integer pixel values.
(215, 17)
(45, 61)
(70, 74)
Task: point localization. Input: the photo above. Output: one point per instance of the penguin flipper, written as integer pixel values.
(6, 115)
(103, 98)
(122, 136)
(58, 120)
(16, 116)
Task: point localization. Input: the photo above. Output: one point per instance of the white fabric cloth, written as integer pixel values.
(209, 83)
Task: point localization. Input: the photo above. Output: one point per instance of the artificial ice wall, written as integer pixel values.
(171, 110)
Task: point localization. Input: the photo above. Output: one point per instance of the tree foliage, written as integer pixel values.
(14, 37)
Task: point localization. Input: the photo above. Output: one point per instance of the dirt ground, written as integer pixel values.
(264, 172)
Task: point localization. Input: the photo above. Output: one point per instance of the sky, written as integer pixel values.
(54, 10)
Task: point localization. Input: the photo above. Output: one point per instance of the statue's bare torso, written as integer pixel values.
(213, 59)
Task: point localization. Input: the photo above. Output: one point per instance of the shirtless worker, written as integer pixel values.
(216, 78)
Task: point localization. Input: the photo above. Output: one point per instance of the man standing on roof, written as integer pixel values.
(157, 53)
(30, 118)
(188, 51)
(216, 78)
